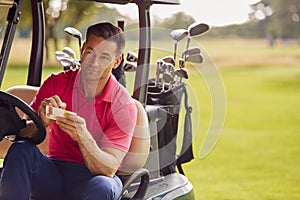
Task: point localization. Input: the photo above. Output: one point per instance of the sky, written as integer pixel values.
(214, 12)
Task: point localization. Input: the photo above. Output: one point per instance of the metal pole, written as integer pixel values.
(13, 19)
(143, 64)
(38, 43)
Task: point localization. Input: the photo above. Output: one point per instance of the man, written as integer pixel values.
(86, 148)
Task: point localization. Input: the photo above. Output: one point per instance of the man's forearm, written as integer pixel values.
(97, 160)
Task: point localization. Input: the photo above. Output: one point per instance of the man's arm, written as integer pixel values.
(100, 161)
(104, 161)
(31, 130)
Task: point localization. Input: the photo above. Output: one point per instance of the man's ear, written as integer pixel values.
(82, 49)
(118, 61)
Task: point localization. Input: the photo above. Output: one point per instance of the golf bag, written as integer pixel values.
(169, 102)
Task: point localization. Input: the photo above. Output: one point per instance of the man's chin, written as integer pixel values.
(91, 77)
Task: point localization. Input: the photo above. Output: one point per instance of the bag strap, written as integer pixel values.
(186, 153)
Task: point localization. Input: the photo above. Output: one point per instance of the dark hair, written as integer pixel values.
(109, 32)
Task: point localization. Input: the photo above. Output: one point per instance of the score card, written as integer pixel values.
(53, 112)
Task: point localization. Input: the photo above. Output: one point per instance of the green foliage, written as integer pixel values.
(285, 20)
(176, 21)
(283, 23)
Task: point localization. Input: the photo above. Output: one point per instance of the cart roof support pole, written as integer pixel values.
(38, 43)
(12, 19)
(143, 64)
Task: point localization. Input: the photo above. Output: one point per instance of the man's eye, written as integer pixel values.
(104, 57)
(88, 51)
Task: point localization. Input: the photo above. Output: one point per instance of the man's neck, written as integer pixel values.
(94, 89)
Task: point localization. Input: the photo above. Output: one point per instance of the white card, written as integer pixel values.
(53, 112)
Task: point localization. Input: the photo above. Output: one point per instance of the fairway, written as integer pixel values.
(257, 155)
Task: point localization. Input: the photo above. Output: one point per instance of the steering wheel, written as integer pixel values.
(11, 123)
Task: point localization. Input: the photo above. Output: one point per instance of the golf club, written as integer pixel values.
(178, 35)
(59, 55)
(181, 73)
(68, 62)
(132, 57)
(169, 68)
(190, 51)
(196, 58)
(196, 29)
(75, 33)
(167, 78)
(169, 59)
(159, 70)
(129, 67)
(70, 52)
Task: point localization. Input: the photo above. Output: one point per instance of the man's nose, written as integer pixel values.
(94, 60)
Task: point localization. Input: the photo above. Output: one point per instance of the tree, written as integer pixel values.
(176, 21)
(62, 13)
(278, 17)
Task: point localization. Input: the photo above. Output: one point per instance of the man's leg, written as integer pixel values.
(81, 184)
(102, 187)
(28, 172)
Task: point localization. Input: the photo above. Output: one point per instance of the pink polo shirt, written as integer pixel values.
(110, 117)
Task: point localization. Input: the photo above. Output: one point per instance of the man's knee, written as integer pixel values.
(22, 148)
(104, 187)
(21, 151)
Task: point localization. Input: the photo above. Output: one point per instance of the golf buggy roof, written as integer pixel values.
(136, 1)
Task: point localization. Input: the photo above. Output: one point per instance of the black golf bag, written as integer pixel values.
(169, 101)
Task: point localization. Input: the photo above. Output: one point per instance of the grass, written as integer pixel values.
(257, 155)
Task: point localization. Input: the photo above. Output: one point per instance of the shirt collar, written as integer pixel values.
(108, 92)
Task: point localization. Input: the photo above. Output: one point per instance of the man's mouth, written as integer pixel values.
(91, 69)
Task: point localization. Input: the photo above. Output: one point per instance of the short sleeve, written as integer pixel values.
(46, 90)
(118, 134)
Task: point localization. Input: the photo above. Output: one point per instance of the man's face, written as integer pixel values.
(98, 58)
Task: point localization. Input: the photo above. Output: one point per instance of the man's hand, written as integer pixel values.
(75, 126)
(54, 101)
(104, 161)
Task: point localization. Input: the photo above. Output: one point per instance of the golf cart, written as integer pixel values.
(155, 176)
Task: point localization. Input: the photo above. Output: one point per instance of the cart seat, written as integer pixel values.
(140, 144)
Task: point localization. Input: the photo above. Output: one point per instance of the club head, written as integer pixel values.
(129, 67)
(169, 67)
(66, 62)
(132, 57)
(169, 59)
(178, 34)
(73, 32)
(190, 51)
(181, 62)
(167, 77)
(196, 58)
(59, 55)
(197, 29)
(182, 73)
(164, 66)
(70, 52)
